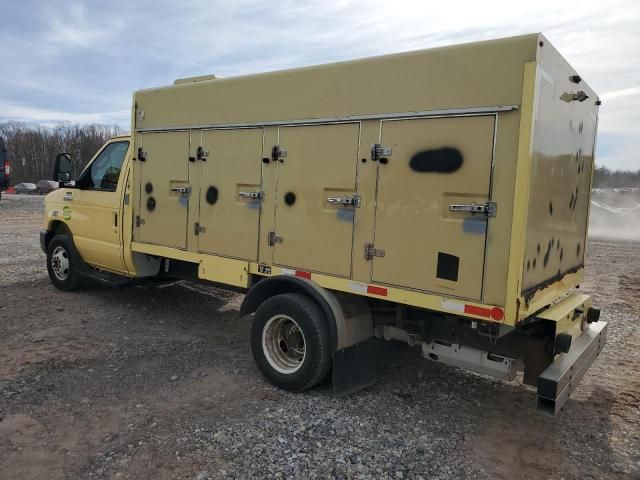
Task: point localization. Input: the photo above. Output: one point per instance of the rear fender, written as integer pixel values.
(350, 324)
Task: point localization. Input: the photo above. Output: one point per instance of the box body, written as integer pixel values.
(431, 176)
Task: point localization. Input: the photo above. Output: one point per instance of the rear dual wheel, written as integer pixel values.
(290, 342)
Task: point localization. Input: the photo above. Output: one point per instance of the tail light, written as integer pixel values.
(7, 169)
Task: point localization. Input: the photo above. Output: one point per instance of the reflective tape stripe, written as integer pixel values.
(358, 287)
(373, 290)
(479, 311)
(451, 305)
(296, 273)
(496, 313)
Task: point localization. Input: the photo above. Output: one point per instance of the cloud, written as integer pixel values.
(83, 60)
(72, 27)
(26, 113)
(625, 92)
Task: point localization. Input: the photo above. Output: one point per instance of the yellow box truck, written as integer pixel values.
(439, 197)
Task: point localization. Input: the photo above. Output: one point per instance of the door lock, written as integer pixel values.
(353, 201)
(183, 190)
(489, 209)
(252, 195)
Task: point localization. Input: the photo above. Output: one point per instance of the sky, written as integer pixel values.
(80, 61)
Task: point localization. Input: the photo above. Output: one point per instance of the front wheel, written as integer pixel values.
(290, 342)
(62, 263)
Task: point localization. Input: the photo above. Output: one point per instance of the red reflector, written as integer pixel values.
(479, 311)
(376, 290)
(303, 274)
(497, 313)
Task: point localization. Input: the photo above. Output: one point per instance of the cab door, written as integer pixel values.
(316, 198)
(163, 189)
(437, 170)
(230, 192)
(94, 210)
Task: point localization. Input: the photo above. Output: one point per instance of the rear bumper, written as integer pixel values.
(559, 379)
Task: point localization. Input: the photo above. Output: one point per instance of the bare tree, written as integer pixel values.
(32, 149)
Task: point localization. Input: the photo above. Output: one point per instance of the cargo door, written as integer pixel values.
(433, 164)
(315, 198)
(230, 194)
(164, 188)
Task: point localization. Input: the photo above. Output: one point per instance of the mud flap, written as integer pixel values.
(354, 368)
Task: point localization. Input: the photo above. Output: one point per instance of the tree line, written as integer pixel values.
(32, 149)
(606, 178)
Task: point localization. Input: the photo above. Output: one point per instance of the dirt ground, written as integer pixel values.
(157, 382)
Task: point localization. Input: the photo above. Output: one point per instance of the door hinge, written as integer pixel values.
(198, 229)
(259, 195)
(273, 239)
(139, 221)
(490, 209)
(378, 152)
(142, 155)
(201, 154)
(278, 153)
(352, 201)
(370, 252)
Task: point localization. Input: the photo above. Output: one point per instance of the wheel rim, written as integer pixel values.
(283, 344)
(60, 263)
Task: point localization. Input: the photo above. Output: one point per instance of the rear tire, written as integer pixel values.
(290, 342)
(62, 263)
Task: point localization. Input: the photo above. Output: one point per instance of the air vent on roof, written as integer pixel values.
(201, 78)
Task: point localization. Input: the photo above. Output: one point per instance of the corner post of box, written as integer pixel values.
(522, 186)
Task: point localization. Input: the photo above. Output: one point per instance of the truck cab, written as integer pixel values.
(87, 213)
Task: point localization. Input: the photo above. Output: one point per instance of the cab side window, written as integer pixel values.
(105, 169)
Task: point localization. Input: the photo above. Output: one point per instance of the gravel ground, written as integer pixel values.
(157, 382)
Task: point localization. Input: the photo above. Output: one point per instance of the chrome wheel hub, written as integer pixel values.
(283, 344)
(60, 263)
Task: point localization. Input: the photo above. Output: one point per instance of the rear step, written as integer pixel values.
(559, 379)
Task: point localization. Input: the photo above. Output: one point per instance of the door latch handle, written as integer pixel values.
(252, 195)
(182, 190)
(489, 209)
(353, 201)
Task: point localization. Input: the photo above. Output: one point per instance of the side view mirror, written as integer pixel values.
(62, 168)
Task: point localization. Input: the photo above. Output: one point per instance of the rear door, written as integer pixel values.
(164, 188)
(316, 181)
(434, 163)
(230, 194)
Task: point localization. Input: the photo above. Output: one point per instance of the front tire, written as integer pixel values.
(62, 263)
(290, 342)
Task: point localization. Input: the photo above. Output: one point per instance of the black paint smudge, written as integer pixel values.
(439, 160)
